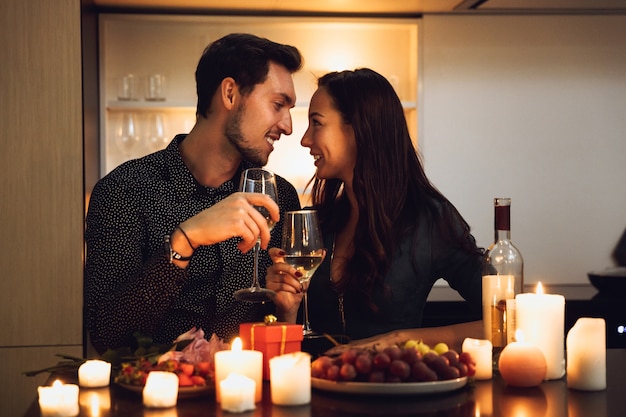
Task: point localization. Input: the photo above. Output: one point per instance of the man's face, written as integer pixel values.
(263, 116)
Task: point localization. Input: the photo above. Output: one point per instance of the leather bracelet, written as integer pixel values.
(171, 253)
(186, 237)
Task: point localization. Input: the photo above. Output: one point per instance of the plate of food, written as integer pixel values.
(393, 370)
(389, 388)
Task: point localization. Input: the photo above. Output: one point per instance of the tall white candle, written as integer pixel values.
(237, 393)
(482, 352)
(541, 318)
(497, 291)
(242, 362)
(161, 390)
(58, 400)
(290, 379)
(586, 355)
(94, 374)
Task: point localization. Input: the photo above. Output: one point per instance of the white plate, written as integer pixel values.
(389, 388)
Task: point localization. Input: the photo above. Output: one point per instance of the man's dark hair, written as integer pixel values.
(243, 57)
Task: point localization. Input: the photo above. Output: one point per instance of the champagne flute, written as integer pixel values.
(304, 250)
(258, 180)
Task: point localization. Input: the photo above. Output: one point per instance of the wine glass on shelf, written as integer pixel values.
(258, 180)
(304, 250)
(127, 135)
(155, 132)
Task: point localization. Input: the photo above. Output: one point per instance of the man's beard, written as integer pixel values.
(234, 135)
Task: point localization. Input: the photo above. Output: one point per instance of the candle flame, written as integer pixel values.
(236, 345)
(57, 384)
(519, 335)
(539, 288)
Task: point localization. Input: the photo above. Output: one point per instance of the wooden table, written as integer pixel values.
(481, 398)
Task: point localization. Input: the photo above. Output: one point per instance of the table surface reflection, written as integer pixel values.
(480, 398)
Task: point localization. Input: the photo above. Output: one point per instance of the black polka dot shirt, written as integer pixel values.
(130, 285)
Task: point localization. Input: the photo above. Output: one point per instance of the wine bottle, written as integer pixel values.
(503, 278)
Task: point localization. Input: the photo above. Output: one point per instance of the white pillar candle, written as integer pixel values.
(482, 353)
(237, 393)
(586, 355)
(290, 379)
(248, 363)
(497, 291)
(161, 390)
(59, 400)
(94, 374)
(541, 318)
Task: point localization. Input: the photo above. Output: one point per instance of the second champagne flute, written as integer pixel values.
(258, 180)
(304, 250)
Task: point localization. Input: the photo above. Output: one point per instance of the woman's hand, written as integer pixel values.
(284, 280)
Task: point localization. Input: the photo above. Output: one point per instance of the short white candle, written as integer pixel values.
(541, 318)
(482, 352)
(290, 379)
(586, 355)
(59, 400)
(237, 393)
(94, 374)
(161, 390)
(242, 362)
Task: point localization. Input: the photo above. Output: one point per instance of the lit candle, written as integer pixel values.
(290, 379)
(242, 362)
(481, 351)
(522, 364)
(94, 374)
(586, 355)
(59, 400)
(542, 319)
(161, 390)
(237, 393)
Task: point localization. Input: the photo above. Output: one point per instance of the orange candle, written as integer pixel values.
(522, 364)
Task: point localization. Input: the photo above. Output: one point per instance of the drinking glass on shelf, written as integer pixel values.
(258, 180)
(155, 129)
(126, 135)
(304, 250)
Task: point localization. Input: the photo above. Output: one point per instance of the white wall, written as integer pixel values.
(532, 108)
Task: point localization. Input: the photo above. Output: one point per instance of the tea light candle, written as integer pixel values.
(161, 390)
(248, 363)
(541, 317)
(290, 379)
(586, 355)
(482, 352)
(94, 374)
(522, 364)
(59, 400)
(237, 393)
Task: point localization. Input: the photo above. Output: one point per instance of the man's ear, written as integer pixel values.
(228, 92)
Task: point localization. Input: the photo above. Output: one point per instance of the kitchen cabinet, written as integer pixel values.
(171, 45)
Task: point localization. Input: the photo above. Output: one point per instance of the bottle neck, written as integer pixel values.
(502, 222)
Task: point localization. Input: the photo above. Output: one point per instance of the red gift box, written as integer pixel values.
(271, 339)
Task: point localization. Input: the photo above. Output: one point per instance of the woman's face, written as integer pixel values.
(331, 141)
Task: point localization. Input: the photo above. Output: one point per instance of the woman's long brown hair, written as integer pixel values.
(390, 184)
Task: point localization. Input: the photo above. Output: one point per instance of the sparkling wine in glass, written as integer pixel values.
(258, 180)
(304, 250)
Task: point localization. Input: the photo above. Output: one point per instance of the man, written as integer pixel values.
(186, 196)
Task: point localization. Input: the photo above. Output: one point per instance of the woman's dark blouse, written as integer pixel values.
(413, 272)
(130, 286)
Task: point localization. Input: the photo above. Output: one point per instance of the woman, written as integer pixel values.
(389, 233)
